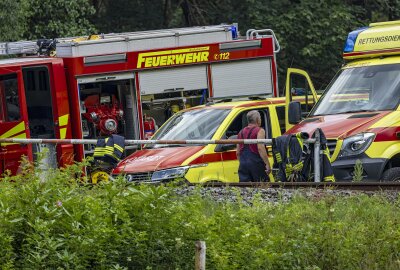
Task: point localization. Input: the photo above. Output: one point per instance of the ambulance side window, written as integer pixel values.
(9, 99)
(235, 127)
(241, 121)
(266, 123)
(299, 89)
(280, 111)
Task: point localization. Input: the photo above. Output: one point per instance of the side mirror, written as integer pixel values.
(226, 147)
(294, 112)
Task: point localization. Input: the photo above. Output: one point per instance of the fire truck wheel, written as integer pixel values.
(391, 175)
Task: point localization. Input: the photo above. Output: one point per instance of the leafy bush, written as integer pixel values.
(63, 223)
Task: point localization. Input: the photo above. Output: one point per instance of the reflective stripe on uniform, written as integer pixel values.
(298, 166)
(330, 178)
(119, 148)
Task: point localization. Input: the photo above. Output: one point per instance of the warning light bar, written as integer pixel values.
(234, 31)
(351, 39)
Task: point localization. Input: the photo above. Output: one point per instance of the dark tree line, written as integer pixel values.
(311, 32)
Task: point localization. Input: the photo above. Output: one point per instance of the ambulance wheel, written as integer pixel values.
(391, 175)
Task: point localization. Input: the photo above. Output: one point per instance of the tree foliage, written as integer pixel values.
(123, 16)
(49, 19)
(310, 40)
(12, 20)
(32, 19)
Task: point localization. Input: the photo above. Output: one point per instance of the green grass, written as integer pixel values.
(62, 224)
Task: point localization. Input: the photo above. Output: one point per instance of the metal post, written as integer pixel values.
(48, 159)
(317, 163)
(49, 156)
(200, 258)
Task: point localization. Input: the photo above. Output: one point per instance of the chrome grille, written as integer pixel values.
(331, 143)
(139, 177)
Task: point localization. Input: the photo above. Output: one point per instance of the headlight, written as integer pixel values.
(169, 173)
(356, 144)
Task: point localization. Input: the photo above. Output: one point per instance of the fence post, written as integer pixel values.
(317, 157)
(48, 159)
(200, 259)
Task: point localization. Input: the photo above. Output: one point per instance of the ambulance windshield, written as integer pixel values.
(198, 124)
(360, 89)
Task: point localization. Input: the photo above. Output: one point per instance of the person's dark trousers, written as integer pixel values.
(251, 167)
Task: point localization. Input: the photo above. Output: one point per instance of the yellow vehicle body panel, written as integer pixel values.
(225, 168)
(386, 149)
(373, 62)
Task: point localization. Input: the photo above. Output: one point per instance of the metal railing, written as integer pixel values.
(254, 33)
(315, 141)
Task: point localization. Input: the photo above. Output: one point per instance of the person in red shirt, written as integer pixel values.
(253, 159)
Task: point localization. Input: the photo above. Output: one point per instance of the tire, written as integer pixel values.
(391, 175)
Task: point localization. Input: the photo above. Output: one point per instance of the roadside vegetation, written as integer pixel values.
(62, 223)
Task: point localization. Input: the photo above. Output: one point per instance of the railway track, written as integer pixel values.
(361, 186)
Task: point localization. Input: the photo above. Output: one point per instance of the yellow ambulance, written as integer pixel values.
(359, 111)
(204, 163)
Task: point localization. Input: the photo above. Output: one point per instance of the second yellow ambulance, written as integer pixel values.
(359, 111)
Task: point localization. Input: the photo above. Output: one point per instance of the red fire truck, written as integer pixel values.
(126, 84)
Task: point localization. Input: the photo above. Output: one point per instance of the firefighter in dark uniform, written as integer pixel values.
(253, 159)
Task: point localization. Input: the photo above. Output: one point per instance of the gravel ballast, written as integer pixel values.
(273, 195)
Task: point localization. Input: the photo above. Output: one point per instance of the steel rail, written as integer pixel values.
(360, 186)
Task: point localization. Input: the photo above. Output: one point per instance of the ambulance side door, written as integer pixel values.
(13, 119)
(230, 162)
(300, 96)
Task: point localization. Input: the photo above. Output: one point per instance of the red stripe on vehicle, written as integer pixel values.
(270, 101)
(207, 158)
(371, 52)
(227, 156)
(214, 157)
(386, 134)
(209, 80)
